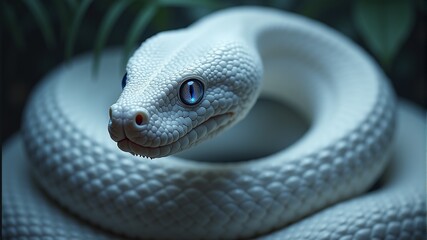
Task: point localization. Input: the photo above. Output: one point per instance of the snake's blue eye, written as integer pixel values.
(124, 80)
(191, 91)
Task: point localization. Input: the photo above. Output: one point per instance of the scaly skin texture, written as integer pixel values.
(280, 55)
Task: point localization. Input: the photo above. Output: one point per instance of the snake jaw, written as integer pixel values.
(202, 131)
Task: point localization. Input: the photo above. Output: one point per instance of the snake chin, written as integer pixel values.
(196, 135)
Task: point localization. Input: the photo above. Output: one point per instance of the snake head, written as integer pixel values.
(180, 89)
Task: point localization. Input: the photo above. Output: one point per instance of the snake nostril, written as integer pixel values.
(139, 119)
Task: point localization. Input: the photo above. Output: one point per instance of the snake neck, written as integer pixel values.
(307, 66)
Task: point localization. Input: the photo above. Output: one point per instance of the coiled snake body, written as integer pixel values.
(185, 86)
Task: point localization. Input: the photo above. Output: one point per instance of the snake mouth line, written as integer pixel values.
(191, 138)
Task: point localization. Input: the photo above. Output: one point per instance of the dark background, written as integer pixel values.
(38, 35)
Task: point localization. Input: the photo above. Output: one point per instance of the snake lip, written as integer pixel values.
(195, 135)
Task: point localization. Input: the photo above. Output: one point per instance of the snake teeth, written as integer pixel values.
(139, 155)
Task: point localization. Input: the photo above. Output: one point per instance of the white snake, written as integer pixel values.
(183, 87)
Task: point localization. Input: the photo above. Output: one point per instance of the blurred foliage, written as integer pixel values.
(36, 35)
(69, 15)
(384, 25)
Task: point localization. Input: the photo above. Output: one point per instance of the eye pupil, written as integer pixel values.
(124, 80)
(191, 91)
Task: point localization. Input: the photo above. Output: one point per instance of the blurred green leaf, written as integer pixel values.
(64, 17)
(78, 17)
(163, 19)
(71, 3)
(41, 16)
(281, 4)
(189, 3)
(107, 25)
(143, 17)
(384, 25)
(11, 22)
(314, 9)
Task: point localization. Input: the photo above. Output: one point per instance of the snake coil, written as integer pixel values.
(231, 57)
